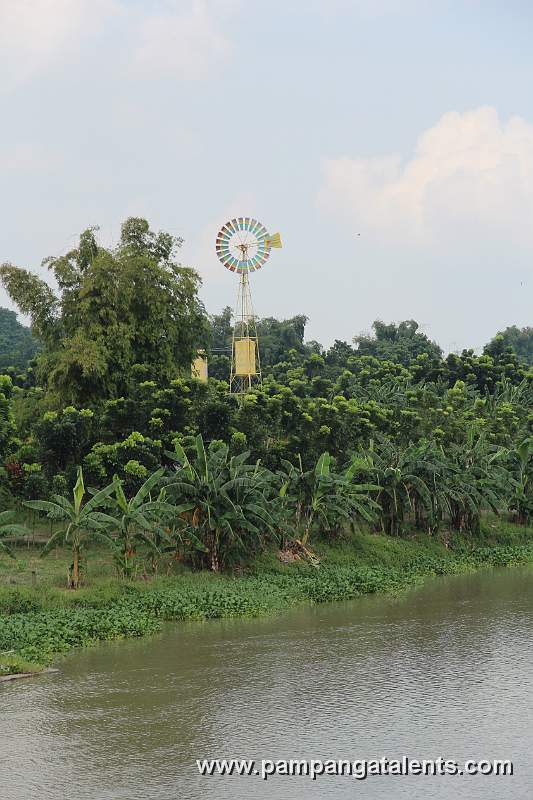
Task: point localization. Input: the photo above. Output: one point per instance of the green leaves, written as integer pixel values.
(9, 528)
(53, 510)
(400, 477)
(147, 487)
(79, 491)
(183, 460)
(99, 498)
(227, 501)
(320, 494)
(322, 466)
(84, 521)
(110, 312)
(34, 297)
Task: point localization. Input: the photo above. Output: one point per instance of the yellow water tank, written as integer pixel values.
(199, 367)
(245, 357)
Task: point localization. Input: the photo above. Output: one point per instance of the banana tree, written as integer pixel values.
(396, 472)
(323, 494)
(522, 498)
(478, 479)
(320, 496)
(137, 520)
(228, 500)
(9, 528)
(83, 522)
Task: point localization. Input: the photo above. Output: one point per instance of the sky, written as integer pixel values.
(390, 142)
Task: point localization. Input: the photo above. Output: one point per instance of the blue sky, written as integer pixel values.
(410, 123)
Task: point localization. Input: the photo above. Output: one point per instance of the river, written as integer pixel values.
(443, 670)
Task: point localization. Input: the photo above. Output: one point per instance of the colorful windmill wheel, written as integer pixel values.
(243, 244)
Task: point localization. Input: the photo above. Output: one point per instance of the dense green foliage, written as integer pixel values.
(131, 311)
(17, 345)
(398, 343)
(443, 439)
(384, 433)
(519, 340)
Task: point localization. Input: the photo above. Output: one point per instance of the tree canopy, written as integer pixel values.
(112, 391)
(519, 340)
(401, 342)
(119, 314)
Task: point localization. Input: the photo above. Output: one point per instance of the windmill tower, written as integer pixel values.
(243, 245)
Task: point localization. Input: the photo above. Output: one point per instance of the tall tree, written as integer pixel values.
(116, 308)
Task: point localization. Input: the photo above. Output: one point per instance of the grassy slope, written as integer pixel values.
(39, 622)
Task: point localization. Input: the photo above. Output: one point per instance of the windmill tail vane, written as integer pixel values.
(274, 240)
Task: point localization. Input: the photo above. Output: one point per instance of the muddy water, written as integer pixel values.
(445, 670)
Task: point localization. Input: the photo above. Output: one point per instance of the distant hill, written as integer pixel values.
(17, 345)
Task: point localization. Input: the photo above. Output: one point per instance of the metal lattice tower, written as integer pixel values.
(245, 360)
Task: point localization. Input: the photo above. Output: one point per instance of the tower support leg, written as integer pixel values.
(245, 360)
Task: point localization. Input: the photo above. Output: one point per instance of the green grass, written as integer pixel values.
(39, 622)
(11, 664)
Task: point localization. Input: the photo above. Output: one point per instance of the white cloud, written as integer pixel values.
(35, 33)
(471, 175)
(181, 43)
(177, 38)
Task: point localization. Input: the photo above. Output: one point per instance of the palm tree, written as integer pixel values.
(7, 528)
(84, 522)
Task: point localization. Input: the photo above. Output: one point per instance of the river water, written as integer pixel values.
(444, 670)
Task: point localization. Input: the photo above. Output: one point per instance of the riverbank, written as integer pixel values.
(40, 622)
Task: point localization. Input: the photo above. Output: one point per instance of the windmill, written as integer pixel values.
(243, 245)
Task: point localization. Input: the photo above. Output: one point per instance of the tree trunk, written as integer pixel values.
(214, 552)
(74, 582)
(128, 560)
